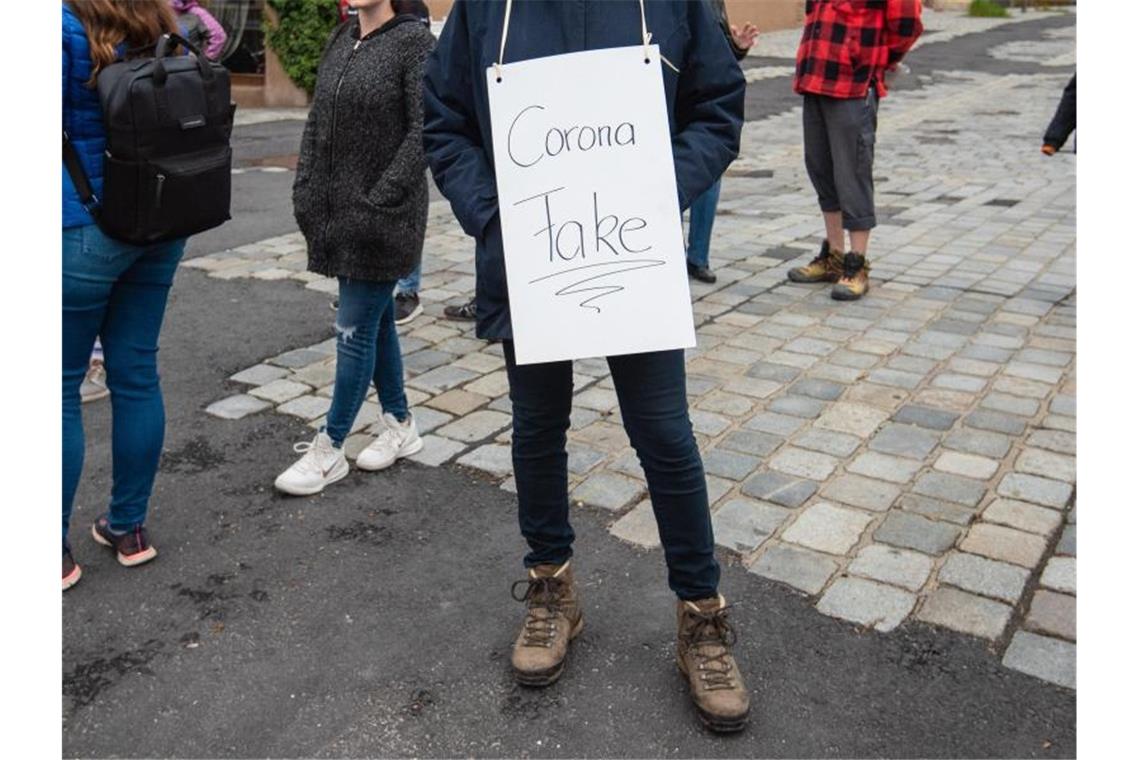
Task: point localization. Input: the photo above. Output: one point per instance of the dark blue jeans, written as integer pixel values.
(367, 351)
(702, 214)
(651, 392)
(118, 292)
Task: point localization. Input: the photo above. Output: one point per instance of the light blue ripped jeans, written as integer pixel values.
(367, 350)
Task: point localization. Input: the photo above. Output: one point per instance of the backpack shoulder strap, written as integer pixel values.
(79, 176)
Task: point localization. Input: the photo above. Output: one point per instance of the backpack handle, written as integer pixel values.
(165, 47)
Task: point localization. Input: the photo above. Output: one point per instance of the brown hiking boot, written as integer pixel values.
(826, 267)
(553, 619)
(704, 655)
(855, 280)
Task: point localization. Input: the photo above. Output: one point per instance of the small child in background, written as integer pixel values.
(202, 29)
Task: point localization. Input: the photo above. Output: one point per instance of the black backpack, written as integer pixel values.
(166, 170)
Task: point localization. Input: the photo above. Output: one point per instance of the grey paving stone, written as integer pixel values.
(1047, 464)
(1016, 405)
(1005, 544)
(904, 441)
(986, 353)
(259, 374)
(895, 378)
(810, 346)
(717, 488)
(1066, 405)
(915, 365)
(306, 407)
(803, 463)
(936, 509)
(995, 422)
(1030, 371)
(827, 528)
(797, 406)
(956, 382)
(442, 379)
(779, 488)
(279, 391)
(708, 423)
(1059, 422)
(1041, 356)
(801, 569)
(1060, 574)
(317, 375)
(638, 527)
(437, 450)
(853, 359)
(236, 407)
(909, 531)
(865, 493)
(1046, 658)
(608, 490)
(1031, 488)
(581, 458)
(857, 419)
(476, 426)
(817, 389)
(898, 567)
(966, 465)
(998, 580)
(867, 603)
(982, 443)
(941, 485)
(1060, 441)
(428, 419)
(1067, 546)
(1053, 614)
(729, 464)
(828, 442)
(742, 524)
(884, 467)
(493, 458)
(780, 373)
(297, 358)
(967, 613)
(776, 424)
(751, 442)
(925, 416)
(427, 359)
(1023, 516)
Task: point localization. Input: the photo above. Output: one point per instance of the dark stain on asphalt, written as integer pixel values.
(87, 680)
(421, 700)
(195, 457)
(360, 532)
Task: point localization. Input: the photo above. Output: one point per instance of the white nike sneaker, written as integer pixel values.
(396, 441)
(321, 465)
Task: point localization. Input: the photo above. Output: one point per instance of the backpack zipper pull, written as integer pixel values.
(161, 178)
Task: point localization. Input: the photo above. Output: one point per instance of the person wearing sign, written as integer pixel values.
(704, 96)
(846, 51)
(361, 200)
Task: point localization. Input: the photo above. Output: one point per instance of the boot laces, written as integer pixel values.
(543, 597)
(709, 639)
(853, 264)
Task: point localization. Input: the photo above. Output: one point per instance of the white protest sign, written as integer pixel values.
(588, 204)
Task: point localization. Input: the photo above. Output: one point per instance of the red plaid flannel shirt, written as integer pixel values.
(847, 43)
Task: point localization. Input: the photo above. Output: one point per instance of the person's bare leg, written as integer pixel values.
(833, 222)
(859, 240)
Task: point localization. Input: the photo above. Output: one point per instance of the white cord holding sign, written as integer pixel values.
(592, 234)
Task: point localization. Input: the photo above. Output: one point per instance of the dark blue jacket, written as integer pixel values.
(705, 103)
(82, 117)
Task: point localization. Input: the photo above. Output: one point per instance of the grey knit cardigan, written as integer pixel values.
(360, 195)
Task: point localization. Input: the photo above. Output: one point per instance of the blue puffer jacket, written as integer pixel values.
(705, 102)
(82, 117)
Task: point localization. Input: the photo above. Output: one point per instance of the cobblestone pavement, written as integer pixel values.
(911, 455)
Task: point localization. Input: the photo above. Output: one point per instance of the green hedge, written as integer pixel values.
(300, 35)
(987, 8)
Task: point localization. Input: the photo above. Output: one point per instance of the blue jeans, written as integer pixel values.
(651, 392)
(367, 351)
(702, 214)
(118, 292)
(410, 285)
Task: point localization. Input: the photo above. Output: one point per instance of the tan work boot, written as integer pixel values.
(855, 280)
(826, 267)
(704, 655)
(553, 619)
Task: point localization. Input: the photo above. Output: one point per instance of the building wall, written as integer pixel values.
(765, 14)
